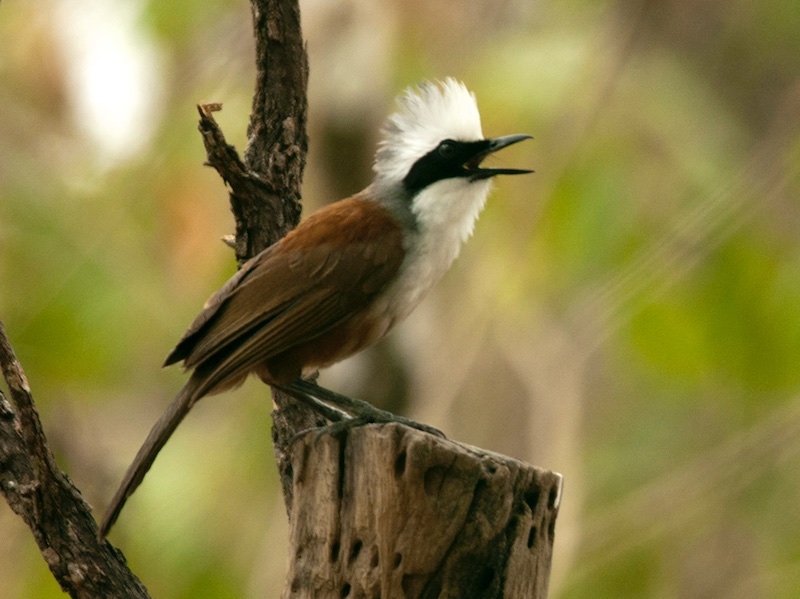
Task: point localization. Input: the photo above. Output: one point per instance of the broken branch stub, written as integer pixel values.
(390, 511)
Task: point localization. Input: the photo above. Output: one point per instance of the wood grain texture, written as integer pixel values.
(389, 511)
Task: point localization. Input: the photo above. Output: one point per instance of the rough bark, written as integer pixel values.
(265, 187)
(45, 498)
(390, 511)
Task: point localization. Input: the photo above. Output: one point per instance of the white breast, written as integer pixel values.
(445, 213)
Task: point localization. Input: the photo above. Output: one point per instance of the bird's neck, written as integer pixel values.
(444, 216)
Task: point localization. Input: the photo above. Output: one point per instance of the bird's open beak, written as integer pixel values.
(496, 143)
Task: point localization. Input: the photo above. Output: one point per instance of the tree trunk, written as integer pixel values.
(390, 511)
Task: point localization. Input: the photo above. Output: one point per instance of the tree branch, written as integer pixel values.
(265, 187)
(48, 502)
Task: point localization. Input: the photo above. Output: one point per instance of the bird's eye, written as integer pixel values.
(447, 149)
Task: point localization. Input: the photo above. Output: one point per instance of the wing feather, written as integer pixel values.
(249, 352)
(295, 291)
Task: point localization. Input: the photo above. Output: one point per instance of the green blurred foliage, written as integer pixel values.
(639, 295)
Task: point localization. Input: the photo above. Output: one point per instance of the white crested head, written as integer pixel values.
(429, 175)
(427, 115)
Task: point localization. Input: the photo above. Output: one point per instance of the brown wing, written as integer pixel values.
(323, 272)
(195, 331)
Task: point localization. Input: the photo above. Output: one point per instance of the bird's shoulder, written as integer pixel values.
(354, 220)
(352, 248)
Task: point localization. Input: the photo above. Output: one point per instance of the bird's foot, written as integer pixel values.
(347, 412)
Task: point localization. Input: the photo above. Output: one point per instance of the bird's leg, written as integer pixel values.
(327, 412)
(316, 397)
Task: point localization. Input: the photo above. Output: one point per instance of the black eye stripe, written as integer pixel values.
(445, 161)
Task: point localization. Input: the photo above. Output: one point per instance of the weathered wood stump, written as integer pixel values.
(387, 511)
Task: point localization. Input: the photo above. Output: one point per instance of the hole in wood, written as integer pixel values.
(433, 479)
(485, 579)
(532, 536)
(295, 585)
(397, 560)
(345, 590)
(400, 464)
(479, 487)
(511, 527)
(532, 499)
(375, 560)
(355, 549)
(335, 551)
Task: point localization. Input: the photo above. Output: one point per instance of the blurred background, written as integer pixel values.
(628, 316)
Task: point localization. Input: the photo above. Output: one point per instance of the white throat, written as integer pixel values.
(445, 216)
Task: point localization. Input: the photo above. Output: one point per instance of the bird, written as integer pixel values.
(346, 275)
